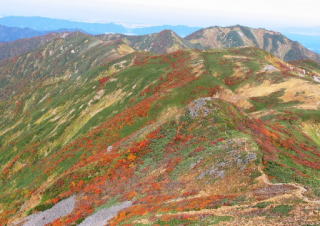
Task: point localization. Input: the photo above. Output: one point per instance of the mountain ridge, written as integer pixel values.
(182, 30)
(66, 50)
(163, 42)
(214, 37)
(22, 46)
(221, 37)
(236, 36)
(211, 37)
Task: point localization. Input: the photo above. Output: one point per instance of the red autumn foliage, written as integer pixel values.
(57, 222)
(275, 139)
(182, 138)
(215, 90)
(141, 59)
(230, 81)
(218, 141)
(120, 177)
(130, 195)
(155, 134)
(189, 193)
(146, 91)
(199, 149)
(103, 80)
(172, 164)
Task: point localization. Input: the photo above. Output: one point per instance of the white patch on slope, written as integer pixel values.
(61, 209)
(103, 216)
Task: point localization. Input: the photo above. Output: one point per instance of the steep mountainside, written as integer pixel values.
(164, 42)
(22, 46)
(311, 41)
(111, 136)
(8, 34)
(66, 55)
(309, 65)
(238, 36)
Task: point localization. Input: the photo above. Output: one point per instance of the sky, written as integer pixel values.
(257, 13)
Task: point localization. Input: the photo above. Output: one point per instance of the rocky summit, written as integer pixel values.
(219, 128)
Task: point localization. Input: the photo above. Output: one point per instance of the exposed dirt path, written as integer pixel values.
(299, 192)
(236, 210)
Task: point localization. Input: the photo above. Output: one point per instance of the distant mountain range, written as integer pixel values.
(48, 24)
(167, 41)
(34, 26)
(8, 34)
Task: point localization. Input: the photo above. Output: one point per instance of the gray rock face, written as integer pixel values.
(102, 217)
(270, 68)
(214, 172)
(61, 209)
(199, 107)
(234, 157)
(316, 79)
(244, 161)
(110, 148)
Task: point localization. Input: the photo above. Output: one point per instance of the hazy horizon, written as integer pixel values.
(203, 13)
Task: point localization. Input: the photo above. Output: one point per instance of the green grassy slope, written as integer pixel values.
(190, 132)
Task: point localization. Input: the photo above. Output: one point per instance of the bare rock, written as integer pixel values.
(200, 107)
(103, 216)
(61, 209)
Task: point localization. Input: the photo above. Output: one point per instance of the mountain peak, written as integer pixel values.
(167, 32)
(213, 37)
(238, 36)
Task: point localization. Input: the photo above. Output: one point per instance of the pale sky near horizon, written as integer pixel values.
(258, 13)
